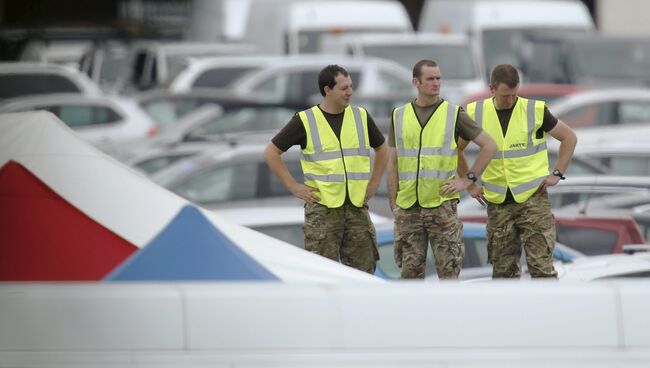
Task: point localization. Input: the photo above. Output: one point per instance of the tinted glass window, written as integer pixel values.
(221, 77)
(587, 240)
(153, 165)
(632, 112)
(224, 183)
(246, 119)
(31, 84)
(80, 116)
(291, 234)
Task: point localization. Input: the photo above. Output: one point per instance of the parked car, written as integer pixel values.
(546, 92)
(475, 264)
(606, 267)
(104, 121)
(168, 108)
(22, 79)
(604, 107)
(459, 66)
(281, 222)
(217, 72)
(577, 190)
(152, 64)
(294, 80)
(618, 159)
(237, 177)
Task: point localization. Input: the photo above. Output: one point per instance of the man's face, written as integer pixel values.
(429, 82)
(341, 93)
(504, 96)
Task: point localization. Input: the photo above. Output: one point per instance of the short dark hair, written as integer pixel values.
(327, 77)
(417, 68)
(504, 73)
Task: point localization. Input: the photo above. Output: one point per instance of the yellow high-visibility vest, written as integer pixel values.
(426, 157)
(333, 166)
(521, 162)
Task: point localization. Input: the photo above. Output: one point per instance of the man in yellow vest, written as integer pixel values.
(422, 187)
(336, 139)
(514, 183)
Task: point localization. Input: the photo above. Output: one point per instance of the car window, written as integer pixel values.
(619, 165)
(221, 77)
(81, 116)
(272, 89)
(589, 241)
(158, 163)
(393, 83)
(632, 112)
(291, 233)
(13, 85)
(581, 116)
(246, 119)
(276, 188)
(220, 184)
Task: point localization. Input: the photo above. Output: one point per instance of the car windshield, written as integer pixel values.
(511, 45)
(222, 77)
(13, 85)
(246, 119)
(615, 59)
(455, 60)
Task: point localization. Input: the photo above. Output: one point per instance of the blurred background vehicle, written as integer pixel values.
(297, 27)
(104, 121)
(461, 73)
(23, 79)
(612, 106)
(293, 80)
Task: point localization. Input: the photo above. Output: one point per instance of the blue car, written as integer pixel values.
(474, 263)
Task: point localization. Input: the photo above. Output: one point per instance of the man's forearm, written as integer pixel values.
(274, 161)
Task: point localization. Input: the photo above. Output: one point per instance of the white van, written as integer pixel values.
(296, 27)
(499, 28)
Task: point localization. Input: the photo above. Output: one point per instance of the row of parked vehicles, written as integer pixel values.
(195, 117)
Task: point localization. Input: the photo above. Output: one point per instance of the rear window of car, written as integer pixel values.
(81, 116)
(221, 77)
(14, 85)
(589, 241)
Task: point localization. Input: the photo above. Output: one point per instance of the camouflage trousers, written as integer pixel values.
(530, 225)
(345, 233)
(415, 227)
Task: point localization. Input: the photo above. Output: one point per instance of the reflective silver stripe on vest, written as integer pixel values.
(407, 152)
(358, 176)
(356, 113)
(478, 113)
(399, 126)
(445, 150)
(530, 148)
(527, 186)
(426, 174)
(319, 155)
(332, 178)
(495, 188)
(313, 130)
(441, 151)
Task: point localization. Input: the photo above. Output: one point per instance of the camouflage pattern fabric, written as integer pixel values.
(416, 227)
(530, 225)
(345, 233)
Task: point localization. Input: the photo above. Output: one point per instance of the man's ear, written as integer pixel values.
(327, 90)
(415, 82)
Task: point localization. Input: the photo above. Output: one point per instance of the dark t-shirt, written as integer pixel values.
(294, 132)
(466, 128)
(548, 124)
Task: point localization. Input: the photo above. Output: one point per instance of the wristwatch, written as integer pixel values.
(472, 177)
(558, 173)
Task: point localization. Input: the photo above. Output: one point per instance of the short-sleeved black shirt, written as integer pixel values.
(294, 132)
